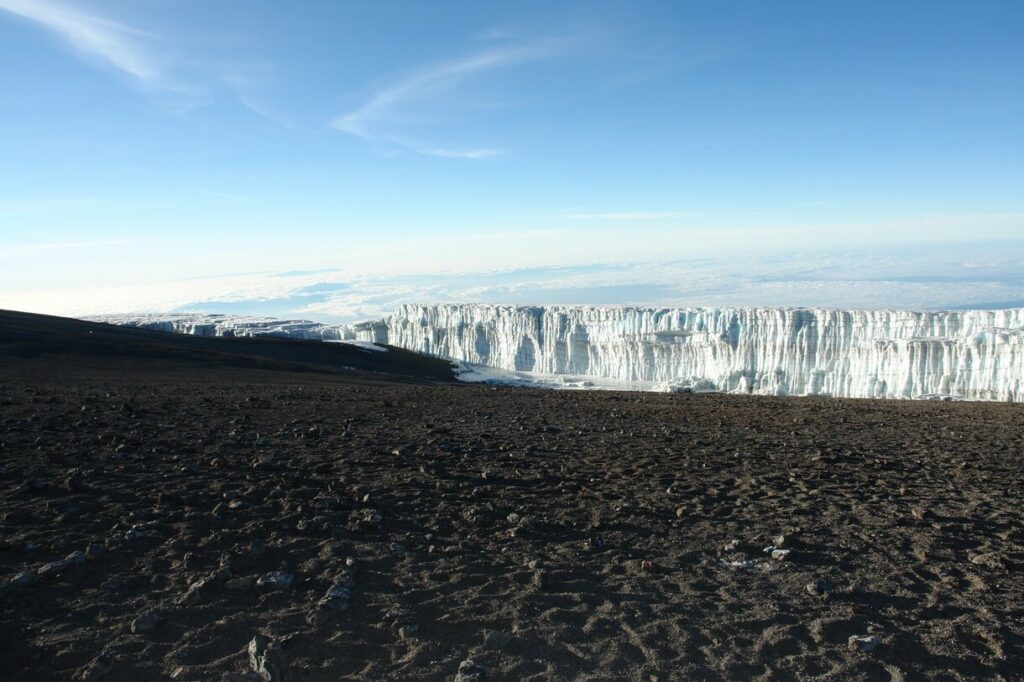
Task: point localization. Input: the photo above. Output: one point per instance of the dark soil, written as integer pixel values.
(544, 535)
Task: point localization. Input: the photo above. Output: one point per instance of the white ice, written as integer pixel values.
(972, 355)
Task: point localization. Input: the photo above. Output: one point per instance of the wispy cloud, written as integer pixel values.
(115, 44)
(443, 152)
(626, 216)
(26, 250)
(149, 60)
(264, 110)
(371, 120)
(460, 154)
(221, 195)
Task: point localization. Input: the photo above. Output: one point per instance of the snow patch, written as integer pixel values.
(363, 345)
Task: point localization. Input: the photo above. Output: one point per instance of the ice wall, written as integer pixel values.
(201, 324)
(976, 355)
(780, 351)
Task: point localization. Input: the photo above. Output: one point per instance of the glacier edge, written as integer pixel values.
(975, 355)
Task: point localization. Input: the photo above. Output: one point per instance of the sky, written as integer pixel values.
(334, 158)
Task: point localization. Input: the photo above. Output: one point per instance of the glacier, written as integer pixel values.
(204, 324)
(971, 355)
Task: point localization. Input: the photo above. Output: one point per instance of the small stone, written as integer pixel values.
(24, 579)
(276, 580)
(496, 639)
(192, 595)
(335, 600)
(865, 643)
(227, 562)
(680, 512)
(74, 482)
(988, 560)
(265, 464)
(895, 674)
(367, 521)
(469, 672)
(52, 568)
(337, 597)
(147, 622)
(742, 564)
(266, 659)
(780, 554)
(311, 526)
(818, 588)
(327, 503)
(134, 533)
(94, 670)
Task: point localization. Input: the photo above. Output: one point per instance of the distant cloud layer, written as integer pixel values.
(937, 277)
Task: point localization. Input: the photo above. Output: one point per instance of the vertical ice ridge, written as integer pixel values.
(854, 353)
(977, 354)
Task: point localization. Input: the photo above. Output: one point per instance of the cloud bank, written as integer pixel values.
(946, 277)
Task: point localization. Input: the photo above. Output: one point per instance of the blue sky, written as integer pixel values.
(152, 143)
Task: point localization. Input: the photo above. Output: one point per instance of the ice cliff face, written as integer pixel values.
(780, 351)
(777, 351)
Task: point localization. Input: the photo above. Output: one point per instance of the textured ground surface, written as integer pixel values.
(543, 535)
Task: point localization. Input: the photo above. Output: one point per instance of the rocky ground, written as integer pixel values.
(201, 513)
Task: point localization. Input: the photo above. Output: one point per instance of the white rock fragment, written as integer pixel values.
(865, 643)
(147, 622)
(276, 580)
